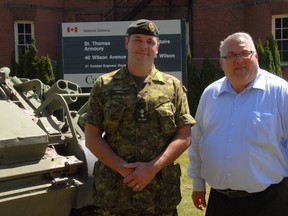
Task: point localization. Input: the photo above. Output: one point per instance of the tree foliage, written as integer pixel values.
(275, 55)
(31, 61)
(45, 70)
(30, 66)
(13, 65)
(197, 82)
(194, 85)
(261, 54)
(208, 73)
(269, 56)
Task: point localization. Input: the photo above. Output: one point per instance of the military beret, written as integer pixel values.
(143, 26)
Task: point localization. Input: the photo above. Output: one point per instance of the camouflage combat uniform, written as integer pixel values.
(139, 122)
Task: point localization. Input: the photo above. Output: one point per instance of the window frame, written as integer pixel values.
(25, 34)
(281, 50)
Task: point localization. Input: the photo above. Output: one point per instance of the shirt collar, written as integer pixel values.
(258, 83)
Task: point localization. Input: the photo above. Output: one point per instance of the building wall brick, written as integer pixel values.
(210, 21)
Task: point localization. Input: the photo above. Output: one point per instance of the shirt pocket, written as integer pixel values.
(113, 114)
(165, 112)
(260, 128)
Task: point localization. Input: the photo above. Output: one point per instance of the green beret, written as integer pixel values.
(143, 26)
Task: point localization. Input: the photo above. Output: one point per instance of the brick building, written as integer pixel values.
(209, 21)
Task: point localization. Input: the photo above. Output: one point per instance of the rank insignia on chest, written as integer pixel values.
(141, 115)
(141, 111)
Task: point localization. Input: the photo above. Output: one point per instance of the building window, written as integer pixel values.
(24, 32)
(280, 33)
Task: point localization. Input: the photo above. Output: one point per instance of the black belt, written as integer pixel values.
(234, 194)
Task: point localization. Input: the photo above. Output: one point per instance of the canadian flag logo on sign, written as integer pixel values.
(72, 29)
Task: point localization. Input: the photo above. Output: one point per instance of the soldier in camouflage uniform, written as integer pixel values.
(138, 124)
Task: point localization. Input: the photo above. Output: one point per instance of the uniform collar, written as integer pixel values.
(154, 76)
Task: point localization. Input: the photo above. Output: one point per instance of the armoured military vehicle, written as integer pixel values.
(45, 168)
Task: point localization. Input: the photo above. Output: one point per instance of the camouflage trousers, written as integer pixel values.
(159, 198)
(115, 212)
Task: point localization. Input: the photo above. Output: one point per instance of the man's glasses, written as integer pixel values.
(233, 56)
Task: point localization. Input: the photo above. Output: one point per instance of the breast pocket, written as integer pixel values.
(165, 113)
(260, 127)
(113, 114)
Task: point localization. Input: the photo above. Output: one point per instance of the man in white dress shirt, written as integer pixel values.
(239, 144)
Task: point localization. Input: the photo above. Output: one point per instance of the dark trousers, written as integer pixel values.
(271, 202)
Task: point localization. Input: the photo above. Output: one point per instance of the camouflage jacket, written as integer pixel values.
(139, 121)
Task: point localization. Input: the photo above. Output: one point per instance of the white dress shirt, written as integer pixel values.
(240, 140)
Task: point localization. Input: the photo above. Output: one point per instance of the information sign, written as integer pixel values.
(91, 49)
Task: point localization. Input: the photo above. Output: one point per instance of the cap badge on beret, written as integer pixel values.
(151, 27)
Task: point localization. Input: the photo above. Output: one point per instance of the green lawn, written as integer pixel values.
(186, 207)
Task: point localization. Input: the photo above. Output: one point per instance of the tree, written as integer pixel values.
(45, 71)
(275, 54)
(261, 54)
(194, 85)
(197, 82)
(20, 64)
(31, 67)
(269, 56)
(13, 65)
(208, 73)
(31, 61)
